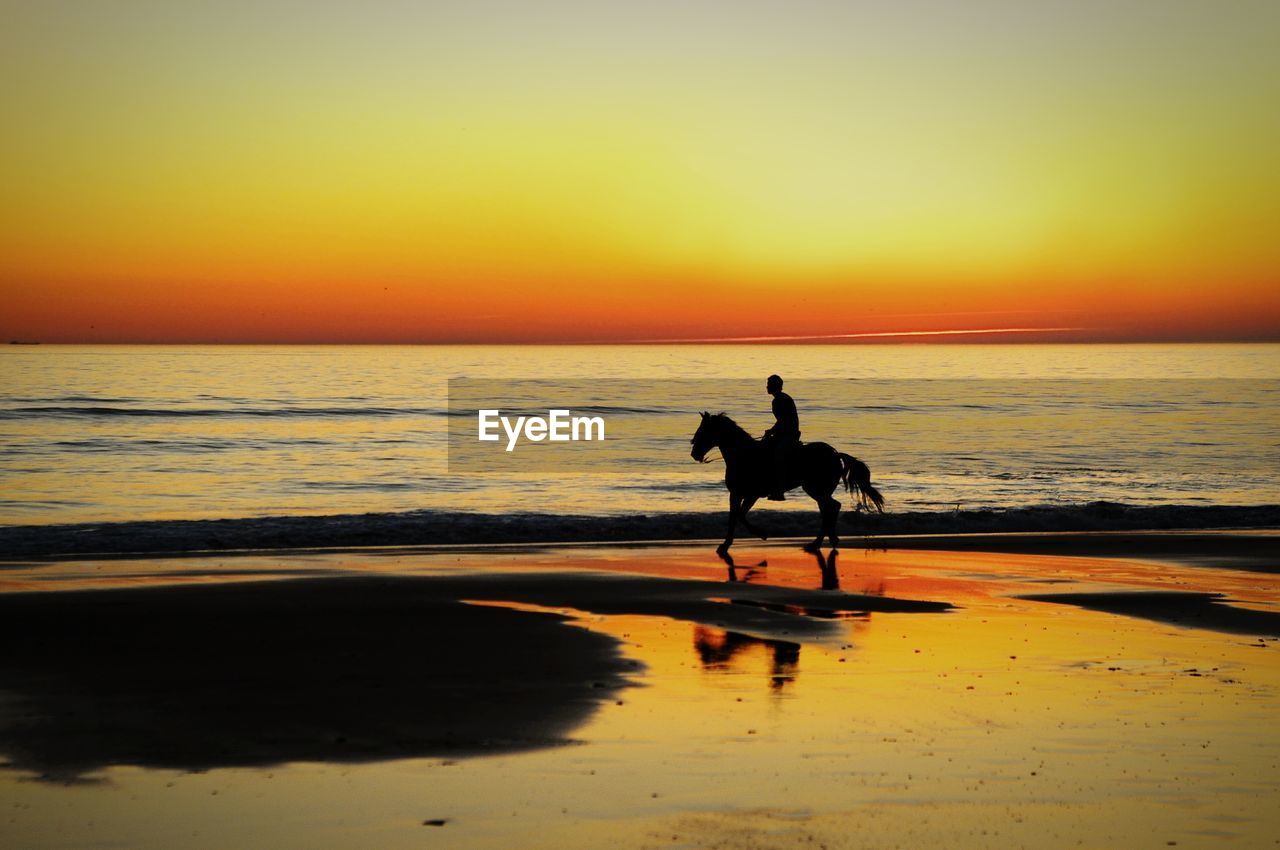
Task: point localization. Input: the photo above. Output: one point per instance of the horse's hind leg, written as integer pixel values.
(747, 504)
(829, 510)
(831, 513)
(828, 526)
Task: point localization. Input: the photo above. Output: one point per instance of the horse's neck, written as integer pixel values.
(736, 445)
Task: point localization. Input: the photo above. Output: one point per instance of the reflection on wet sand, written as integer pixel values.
(337, 670)
(756, 573)
(717, 648)
(767, 711)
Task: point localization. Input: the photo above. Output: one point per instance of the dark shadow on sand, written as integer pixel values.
(335, 669)
(1191, 610)
(257, 674)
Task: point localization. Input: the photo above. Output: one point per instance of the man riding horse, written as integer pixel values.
(769, 467)
(782, 439)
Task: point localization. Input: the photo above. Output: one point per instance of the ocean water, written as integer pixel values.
(106, 433)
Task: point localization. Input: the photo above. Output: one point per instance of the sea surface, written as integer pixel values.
(108, 433)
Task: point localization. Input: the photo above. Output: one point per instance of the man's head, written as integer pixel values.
(774, 385)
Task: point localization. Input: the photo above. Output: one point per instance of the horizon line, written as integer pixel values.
(959, 336)
(867, 335)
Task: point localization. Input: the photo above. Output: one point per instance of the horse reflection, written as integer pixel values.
(717, 649)
(750, 573)
(826, 569)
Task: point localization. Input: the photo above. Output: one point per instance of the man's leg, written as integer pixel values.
(778, 485)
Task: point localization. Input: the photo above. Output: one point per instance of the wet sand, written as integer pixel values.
(1246, 550)
(647, 696)
(283, 671)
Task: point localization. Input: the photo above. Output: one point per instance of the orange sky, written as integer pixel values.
(562, 171)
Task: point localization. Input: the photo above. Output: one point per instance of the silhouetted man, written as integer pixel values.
(782, 437)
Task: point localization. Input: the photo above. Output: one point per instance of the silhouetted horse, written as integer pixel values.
(816, 467)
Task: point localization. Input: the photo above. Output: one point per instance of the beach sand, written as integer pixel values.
(999, 690)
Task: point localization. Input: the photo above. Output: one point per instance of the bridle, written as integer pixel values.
(706, 459)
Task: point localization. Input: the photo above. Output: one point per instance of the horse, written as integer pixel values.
(749, 470)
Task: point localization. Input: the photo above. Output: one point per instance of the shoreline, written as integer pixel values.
(1028, 530)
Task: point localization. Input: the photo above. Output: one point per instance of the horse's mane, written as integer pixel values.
(729, 425)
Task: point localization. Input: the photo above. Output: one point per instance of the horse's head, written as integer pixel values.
(705, 437)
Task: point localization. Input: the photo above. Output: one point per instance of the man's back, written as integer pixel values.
(787, 426)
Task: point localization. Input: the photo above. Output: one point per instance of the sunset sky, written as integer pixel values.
(396, 171)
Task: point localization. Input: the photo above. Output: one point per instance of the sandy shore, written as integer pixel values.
(1110, 689)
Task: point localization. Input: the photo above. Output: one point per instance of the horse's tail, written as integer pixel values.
(855, 473)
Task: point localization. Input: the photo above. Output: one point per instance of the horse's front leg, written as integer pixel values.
(735, 504)
(747, 504)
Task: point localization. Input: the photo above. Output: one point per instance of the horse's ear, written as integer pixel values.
(705, 414)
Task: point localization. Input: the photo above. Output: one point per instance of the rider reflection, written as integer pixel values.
(717, 649)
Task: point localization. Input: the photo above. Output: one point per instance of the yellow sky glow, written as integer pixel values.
(568, 171)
